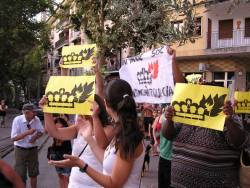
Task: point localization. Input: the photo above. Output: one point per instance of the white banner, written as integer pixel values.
(150, 76)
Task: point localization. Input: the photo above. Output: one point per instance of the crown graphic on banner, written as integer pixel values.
(144, 77)
(206, 107)
(84, 55)
(62, 98)
(243, 105)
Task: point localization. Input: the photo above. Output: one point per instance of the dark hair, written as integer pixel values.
(103, 116)
(61, 121)
(118, 95)
(67, 116)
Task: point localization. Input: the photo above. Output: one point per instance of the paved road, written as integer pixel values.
(48, 177)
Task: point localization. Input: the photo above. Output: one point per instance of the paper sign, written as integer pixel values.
(150, 76)
(243, 102)
(70, 94)
(200, 105)
(194, 78)
(78, 56)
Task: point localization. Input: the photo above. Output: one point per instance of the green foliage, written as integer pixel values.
(20, 34)
(132, 23)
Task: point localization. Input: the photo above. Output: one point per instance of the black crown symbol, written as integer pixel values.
(206, 107)
(61, 98)
(243, 105)
(84, 55)
(144, 77)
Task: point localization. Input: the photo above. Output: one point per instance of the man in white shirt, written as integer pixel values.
(26, 129)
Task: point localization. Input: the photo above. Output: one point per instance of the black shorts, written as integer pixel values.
(148, 121)
(2, 113)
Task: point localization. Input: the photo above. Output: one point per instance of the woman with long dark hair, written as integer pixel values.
(123, 158)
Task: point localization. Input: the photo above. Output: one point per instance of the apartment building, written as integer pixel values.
(221, 51)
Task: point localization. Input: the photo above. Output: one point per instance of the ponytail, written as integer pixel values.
(119, 98)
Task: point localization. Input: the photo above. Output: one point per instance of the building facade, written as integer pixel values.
(221, 51)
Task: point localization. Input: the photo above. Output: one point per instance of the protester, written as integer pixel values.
(26, 129)
(164, 168)
(156, 130)
(203, 157)
(80, 147)
(148, 118)
(8, 177)
(56, 152)
(125, 153)
(3, 108)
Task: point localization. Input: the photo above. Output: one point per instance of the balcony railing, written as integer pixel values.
(238, 40)
(74, 35)
(61, 41)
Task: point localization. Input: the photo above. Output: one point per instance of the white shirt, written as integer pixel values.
(79, 179)
(19, 126)
(135, 174)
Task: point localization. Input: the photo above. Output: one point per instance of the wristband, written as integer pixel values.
(84, 168)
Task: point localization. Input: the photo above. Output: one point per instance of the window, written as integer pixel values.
(224, 79)
(197, 29)
(178, 25)
(247, 27)
(225, 29)
(248, 81)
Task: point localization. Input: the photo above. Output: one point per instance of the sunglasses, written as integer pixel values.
(28, 126)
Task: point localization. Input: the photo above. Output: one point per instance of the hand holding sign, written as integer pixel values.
(228, 109)
(69, 95)
(169, 114)
(200, 105)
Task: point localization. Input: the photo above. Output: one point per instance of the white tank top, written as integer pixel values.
(79, 179)
(135, 175)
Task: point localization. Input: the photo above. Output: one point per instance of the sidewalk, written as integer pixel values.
(150, 179)
(48, 177)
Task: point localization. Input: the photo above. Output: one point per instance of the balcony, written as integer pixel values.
(75, 35)
(62, 41)
(238, 40)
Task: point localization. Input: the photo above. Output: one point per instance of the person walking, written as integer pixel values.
(26, 129)
(3, 108)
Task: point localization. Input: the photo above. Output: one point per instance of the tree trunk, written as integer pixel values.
(101, 22)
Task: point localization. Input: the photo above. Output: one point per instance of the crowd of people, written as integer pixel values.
(112, 147)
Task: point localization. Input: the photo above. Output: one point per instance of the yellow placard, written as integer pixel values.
(78, 56)
(200, 105)
(70, 94)
(243, 102)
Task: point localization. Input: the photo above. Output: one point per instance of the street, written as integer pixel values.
(48, 177)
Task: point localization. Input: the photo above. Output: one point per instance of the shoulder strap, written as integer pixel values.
(83, 150)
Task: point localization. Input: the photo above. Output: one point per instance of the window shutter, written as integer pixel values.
(225, 29)
(247, 27)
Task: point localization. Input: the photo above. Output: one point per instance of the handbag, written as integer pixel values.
(56, 155)
(244, 170)
(53, 154)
